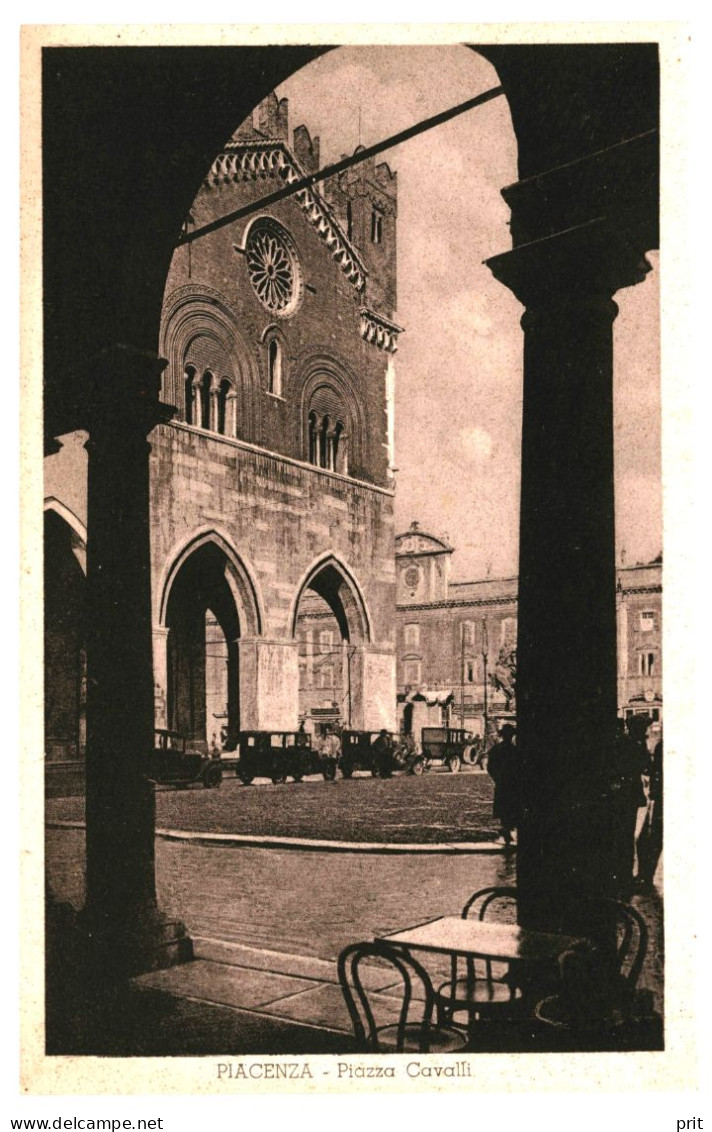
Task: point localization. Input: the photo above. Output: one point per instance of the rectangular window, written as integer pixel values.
(646, 663)
(412, 636)
(647, 620)
(326, 640)
(412, 672)
(470, 672)
(326, 677)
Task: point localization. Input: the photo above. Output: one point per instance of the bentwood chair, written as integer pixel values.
(483, 988)
(414, 1029)
(598, 977)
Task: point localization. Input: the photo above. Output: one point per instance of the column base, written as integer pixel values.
(116, 948)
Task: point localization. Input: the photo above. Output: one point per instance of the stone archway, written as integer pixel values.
(331, 624)
(202, 658)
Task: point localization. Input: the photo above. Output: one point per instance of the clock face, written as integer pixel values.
(273, 267)
(411, 578)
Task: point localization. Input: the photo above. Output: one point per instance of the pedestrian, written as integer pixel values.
(650, 839)
(383, 754)
(503, 769)
(626, 797)
(330, 747)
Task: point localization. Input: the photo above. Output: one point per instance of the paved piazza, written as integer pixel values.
(300, 902)
(311, 902)
(437, 807)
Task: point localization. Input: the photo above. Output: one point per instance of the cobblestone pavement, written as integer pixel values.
(437, 807)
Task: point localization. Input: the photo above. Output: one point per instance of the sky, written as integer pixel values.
(459, 364)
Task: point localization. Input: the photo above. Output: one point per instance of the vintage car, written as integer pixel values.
(450, 746)
(280, 755)
(357, 753)
(173, 763)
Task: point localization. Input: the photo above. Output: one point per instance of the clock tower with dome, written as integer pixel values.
(422, 567)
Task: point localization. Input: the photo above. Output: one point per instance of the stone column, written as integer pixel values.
(120, 917)
(213, 418)
(566, 659)
(160, 674)
(231, 414)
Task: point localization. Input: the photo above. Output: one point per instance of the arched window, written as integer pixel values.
(324, 443)
(331, 438)
(189, 393)
(225, 388)
(206, 387)
(376, 226)
(313, 440)
(274, 367)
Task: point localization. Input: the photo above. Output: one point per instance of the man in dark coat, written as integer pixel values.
(383, 754)
(503, 768)
(626, 797)
(650, 839)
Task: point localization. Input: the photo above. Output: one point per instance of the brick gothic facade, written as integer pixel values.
(450, 632)
(272, 488)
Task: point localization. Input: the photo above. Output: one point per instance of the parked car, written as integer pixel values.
(357, 753)
(174, 763)
(280, 755)
(450, 746)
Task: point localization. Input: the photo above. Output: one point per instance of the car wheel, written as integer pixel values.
(245, 779)
(278, 779)
(297, 777)
(329, 772)
(347, 771)
(453, 763)
(418, 766)
(212, 776)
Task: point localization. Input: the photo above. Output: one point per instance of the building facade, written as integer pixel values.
(271, 489)
(457, 641)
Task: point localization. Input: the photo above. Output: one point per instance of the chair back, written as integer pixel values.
(619, 933)
(496, 902)
(482, 901)
(418, 1011)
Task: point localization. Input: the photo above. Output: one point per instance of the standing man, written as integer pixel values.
(650, 839)
(383, 754)
(503, 769)
(330, 747)
(626, 798)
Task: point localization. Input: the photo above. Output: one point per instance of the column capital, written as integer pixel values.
(126, 387)
(591, 261)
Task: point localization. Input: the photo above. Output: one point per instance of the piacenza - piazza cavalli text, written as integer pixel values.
(297, 1070)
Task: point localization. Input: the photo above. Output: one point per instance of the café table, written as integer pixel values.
(477, 939)
(521, 948)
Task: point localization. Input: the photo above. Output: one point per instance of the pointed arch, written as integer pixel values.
(239, 575)
(76, 527)
(330, 577)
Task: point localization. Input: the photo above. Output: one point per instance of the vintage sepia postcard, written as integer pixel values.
(350, 583)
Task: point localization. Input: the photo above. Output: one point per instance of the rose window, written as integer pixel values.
(273, 268)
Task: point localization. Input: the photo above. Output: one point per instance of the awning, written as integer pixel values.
(431, 696)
